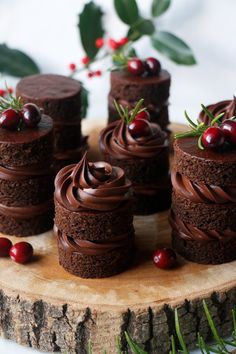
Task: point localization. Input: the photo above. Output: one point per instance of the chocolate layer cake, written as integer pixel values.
(26, 179)
(204, 202)
(94, 219)
(226, 106)
(60, 98)
(145, 161)
(127, 89)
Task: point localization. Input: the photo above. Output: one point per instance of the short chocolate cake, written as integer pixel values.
(94, 219)
(145, 160)
(203, 216)
(60, 98)
(126, 89)
(26, 179)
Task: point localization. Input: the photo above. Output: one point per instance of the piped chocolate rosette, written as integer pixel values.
(204, 195)
(228, 107)
(141, 148)
(93, 218)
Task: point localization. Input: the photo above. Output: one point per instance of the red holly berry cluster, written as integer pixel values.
(151, 66)
(6, 92)
(21, 252)
(219, 134)
(28, 116)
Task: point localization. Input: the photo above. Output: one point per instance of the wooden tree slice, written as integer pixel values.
(44, 307)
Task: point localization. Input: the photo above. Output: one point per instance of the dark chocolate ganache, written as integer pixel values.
(193, 233)
(202, 193)
(92, 185)
(117, 141)
(228, 107)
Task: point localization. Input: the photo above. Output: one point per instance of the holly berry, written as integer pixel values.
(164, 258)
(85, 60)
(139, 128)
(213, 137)
(10, 90)
(113, 44)
(5, 246)
(229, 129)
(10, 119)
(123, 41)
(21, 252)
(72, 66)
(90, 74)
(135, 66)
(153, 66)
(99, 43)
(2, 92)
(31, 115)
(98, 73)
(143, 115)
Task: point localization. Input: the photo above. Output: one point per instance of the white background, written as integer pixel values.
(46, 29)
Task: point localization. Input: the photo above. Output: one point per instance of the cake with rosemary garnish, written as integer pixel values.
(60, 98)
(228, 107)
(204, 191)
(137, 79)
(141, 148)
(26, 177)
(94, 219)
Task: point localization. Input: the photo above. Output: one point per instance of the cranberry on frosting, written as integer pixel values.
(116, 139)
(92, 185)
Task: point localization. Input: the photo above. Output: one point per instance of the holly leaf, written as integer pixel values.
(173, 47)
(127, 10)
(16, 63)
(139, 28)
(90, 28)
(159, 7)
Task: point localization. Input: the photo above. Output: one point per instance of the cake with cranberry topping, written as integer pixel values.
(94, 219)
(127, 87)
(60, 98)
(141, 148)
(26, 177)
(204, 193)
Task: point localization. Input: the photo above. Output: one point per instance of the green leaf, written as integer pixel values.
(159, 7)
(142, 27)
(127, 10)
(90, 28)
(173, 47)
(133, 346)
(179, 334)
(16, 63)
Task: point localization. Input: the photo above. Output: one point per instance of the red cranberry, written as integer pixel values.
(164, 258)
(136, 66)
(153, 66)
(21, 252)
(85, 60)
(229, 129)
(113, 44)
(139, 128)
(2, 92)
(10, 119)
(143, 115)
(72, 66)
(99, 43)
(5, 246)
(123, 41)
(31, 115)
(213, 137)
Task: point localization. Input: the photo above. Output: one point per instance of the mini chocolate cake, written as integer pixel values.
(204, 202)
(59, 97)
(226, 106)
(26, 179)
(94, 219)
(126, 89)
(145, 161)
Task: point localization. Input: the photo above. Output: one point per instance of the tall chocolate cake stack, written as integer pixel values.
(127, 89)
(60, 98)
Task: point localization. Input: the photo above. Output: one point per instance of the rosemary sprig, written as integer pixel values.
(125, 114)
(10, 102)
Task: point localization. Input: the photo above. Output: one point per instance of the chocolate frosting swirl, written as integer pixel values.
(92, 248)
(23, 172)
(202, 193)
(92, 185)
(227, 106)
(116, 140)
(193, 233)
(26, 212)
